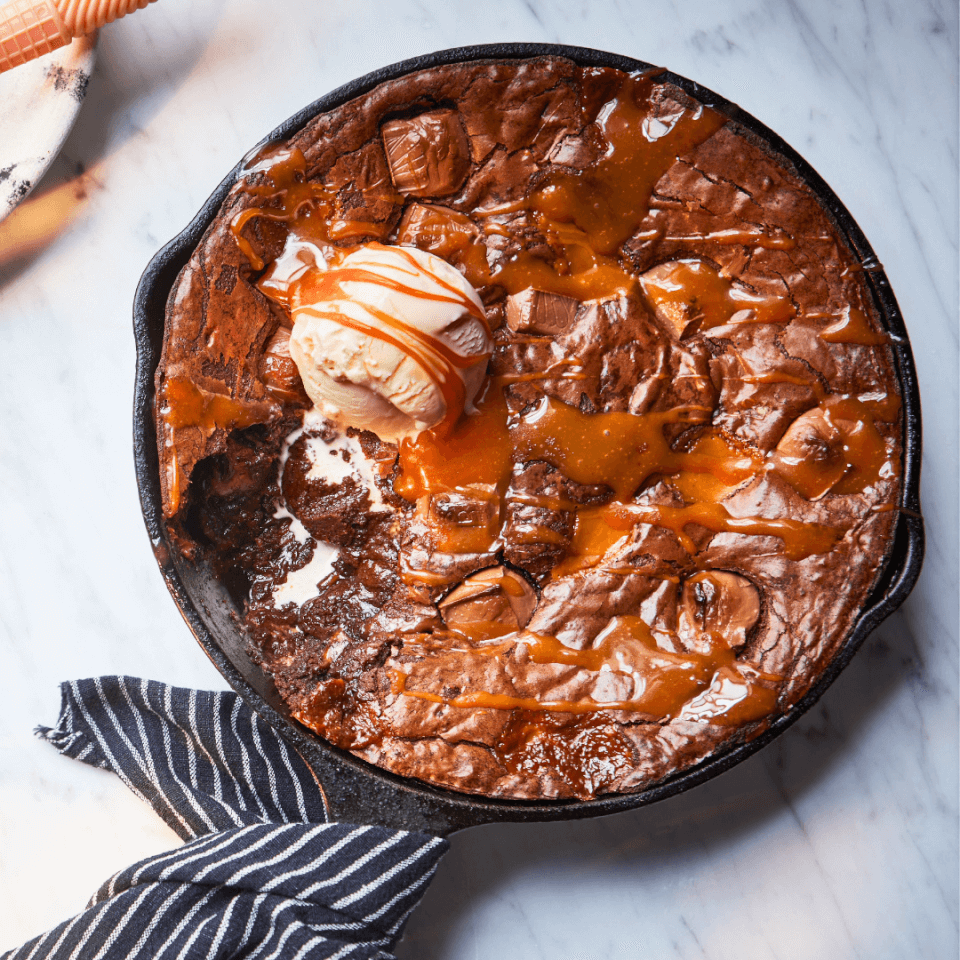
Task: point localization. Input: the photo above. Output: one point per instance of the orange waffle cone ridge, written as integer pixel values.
(29, 29)
(85, 16)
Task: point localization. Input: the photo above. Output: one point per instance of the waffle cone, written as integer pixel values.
(31, 28)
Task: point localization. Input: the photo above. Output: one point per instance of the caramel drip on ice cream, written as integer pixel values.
(329, 285)
(320, 291)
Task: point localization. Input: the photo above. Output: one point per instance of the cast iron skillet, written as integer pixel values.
(354, 790)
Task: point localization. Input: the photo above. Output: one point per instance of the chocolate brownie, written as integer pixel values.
(679, 483)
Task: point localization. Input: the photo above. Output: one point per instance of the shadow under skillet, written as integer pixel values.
(708, 819)
(119, 100)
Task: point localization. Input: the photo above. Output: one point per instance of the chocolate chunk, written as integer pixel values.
(434, 554)
(537, 538)
(533, 311)
(810, 456)
(279, 372)
(451, 534)
(366, 205)
(436, 229)
(428, 155)
(494, 596)
(449, 235)
(678, 317)
(721, 605)
(463, 510)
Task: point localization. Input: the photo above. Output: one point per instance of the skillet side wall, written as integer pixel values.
(354, 790)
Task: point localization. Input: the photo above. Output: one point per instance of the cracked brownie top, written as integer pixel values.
(673, 494)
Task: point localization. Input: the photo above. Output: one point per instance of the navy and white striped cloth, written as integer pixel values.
(263, 874)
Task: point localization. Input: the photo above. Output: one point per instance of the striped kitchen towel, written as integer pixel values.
(263, 874)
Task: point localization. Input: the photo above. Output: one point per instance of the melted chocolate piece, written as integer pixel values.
(488, 604)
(428, 154)
(278, 371)
(721, 607)
(533, 311)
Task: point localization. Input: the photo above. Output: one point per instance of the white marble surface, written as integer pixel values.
(840, 840)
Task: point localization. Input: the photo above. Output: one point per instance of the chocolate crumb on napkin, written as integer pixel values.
(263, 873)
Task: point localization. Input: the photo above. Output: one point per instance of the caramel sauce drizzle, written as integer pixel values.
(664, 681)
(882, 407)
(470, 536)
(607, 202)
(547, 503)
(734, 237)
(800, 539)
(556, 371)
(293, 196)
(623, 450)
(865, 458)
(714, 298)
(620, 450)
(853, 327)
(477, 451)
(186, 405)
(310, 210)
(586, 216)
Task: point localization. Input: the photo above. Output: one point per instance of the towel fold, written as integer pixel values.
(264, 875)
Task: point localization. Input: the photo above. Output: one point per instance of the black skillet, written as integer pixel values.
(356, 791)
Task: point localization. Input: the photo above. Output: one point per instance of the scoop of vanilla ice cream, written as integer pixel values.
(388, 339)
